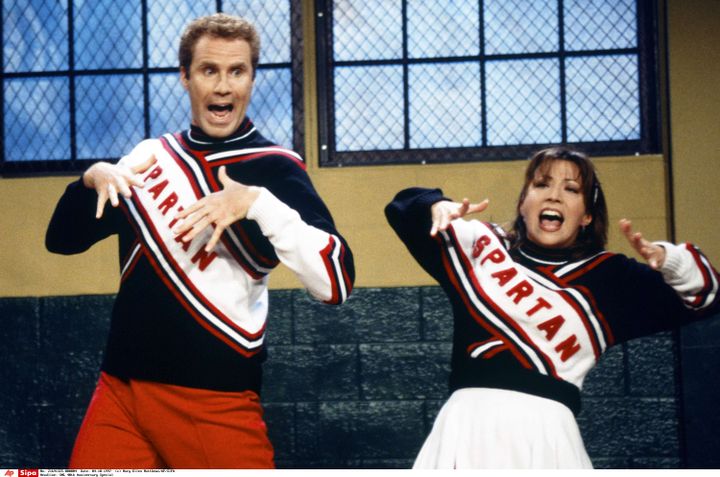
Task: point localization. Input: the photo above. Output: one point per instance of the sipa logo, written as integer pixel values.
(28, 473)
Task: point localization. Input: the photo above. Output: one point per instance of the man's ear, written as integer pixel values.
(184, 79)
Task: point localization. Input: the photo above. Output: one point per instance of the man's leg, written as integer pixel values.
(197, 428)
(109, 437)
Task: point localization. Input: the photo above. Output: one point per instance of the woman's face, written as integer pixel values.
(554, 207)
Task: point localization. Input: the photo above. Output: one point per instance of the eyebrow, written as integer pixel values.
(548, 176)
(206, 63)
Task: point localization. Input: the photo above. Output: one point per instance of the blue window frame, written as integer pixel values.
(413, 81)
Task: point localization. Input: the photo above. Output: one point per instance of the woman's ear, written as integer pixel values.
(587, 218)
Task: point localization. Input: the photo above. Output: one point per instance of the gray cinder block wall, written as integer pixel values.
(356, 386)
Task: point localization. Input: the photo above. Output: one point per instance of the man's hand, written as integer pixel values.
(219, 209)
(109, 179)
(653, 254)
(444, 212)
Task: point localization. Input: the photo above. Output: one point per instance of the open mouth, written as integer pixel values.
(220, 109)
(551, 220)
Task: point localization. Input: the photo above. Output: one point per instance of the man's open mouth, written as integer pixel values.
(220, 108)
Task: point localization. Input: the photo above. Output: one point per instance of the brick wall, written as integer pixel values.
(353, 386)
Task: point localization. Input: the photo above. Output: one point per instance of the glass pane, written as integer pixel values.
(108, 34)
(169, 104)
(519, 26)
(603, 98)
(37, 119)
(271, 105)
(109, 115)
(600, 24)
(523, 102)
(441, 28)
(445, 105)
(272, 21)
(35, 35)
(369, 108)
(367, 30)
(166, 21)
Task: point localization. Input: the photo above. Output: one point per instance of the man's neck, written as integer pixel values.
(196, 134)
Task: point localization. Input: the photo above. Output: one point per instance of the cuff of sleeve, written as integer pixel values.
(673, 264)
(269, 212)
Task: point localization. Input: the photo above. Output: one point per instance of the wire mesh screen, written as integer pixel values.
(437, 80)
(86, 80)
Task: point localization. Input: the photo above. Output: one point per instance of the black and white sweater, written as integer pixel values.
(536, 320)
(191, 318)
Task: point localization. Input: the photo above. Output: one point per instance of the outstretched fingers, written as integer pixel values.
(477, 207)
(653, 254)
(444, 212)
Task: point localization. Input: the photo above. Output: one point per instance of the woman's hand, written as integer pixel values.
(653, 254)
(110, 179)
(219, 210)
(445, 211)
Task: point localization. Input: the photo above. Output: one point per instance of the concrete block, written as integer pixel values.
(370, 315)
(607, 378)
(280, 420)
(652, 366)
(309, 373)
(370, 430)
(280, 317)
(436, 314)
(405, 371)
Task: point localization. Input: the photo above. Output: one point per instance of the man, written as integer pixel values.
(202, 217)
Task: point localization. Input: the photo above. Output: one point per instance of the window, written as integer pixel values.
(411, 81)
(84, 80)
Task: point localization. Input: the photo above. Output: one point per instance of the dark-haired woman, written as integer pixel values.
(535, 307)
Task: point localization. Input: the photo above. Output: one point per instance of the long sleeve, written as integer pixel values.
(73, 227)
(300, 228)
(409, 216)
(690, 274)
(639, 301)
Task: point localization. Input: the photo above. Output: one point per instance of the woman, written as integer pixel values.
(535, 308)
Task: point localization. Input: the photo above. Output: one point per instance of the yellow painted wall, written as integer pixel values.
(694, 42)
(635, 187)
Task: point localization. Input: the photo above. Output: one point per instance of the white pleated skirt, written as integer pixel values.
(501, 429)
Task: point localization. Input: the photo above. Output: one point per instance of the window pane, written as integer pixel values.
(367, 30)
(107, 34)
(109, 115)
(600, 24)
(519, 26)
(35, 36)
(37, 119)
(271, 105)
(272, 20)
(523, 101)
(166, 22)
(440, 28)
(603, 98)
(445, 105)
(169, 104)
(369, 108)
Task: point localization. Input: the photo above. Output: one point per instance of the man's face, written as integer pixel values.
(220, 83)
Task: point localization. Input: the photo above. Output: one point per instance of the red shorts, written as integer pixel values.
(140, 424)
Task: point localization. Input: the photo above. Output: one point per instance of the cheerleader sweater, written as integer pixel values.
(537, 320)
(189, 317)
